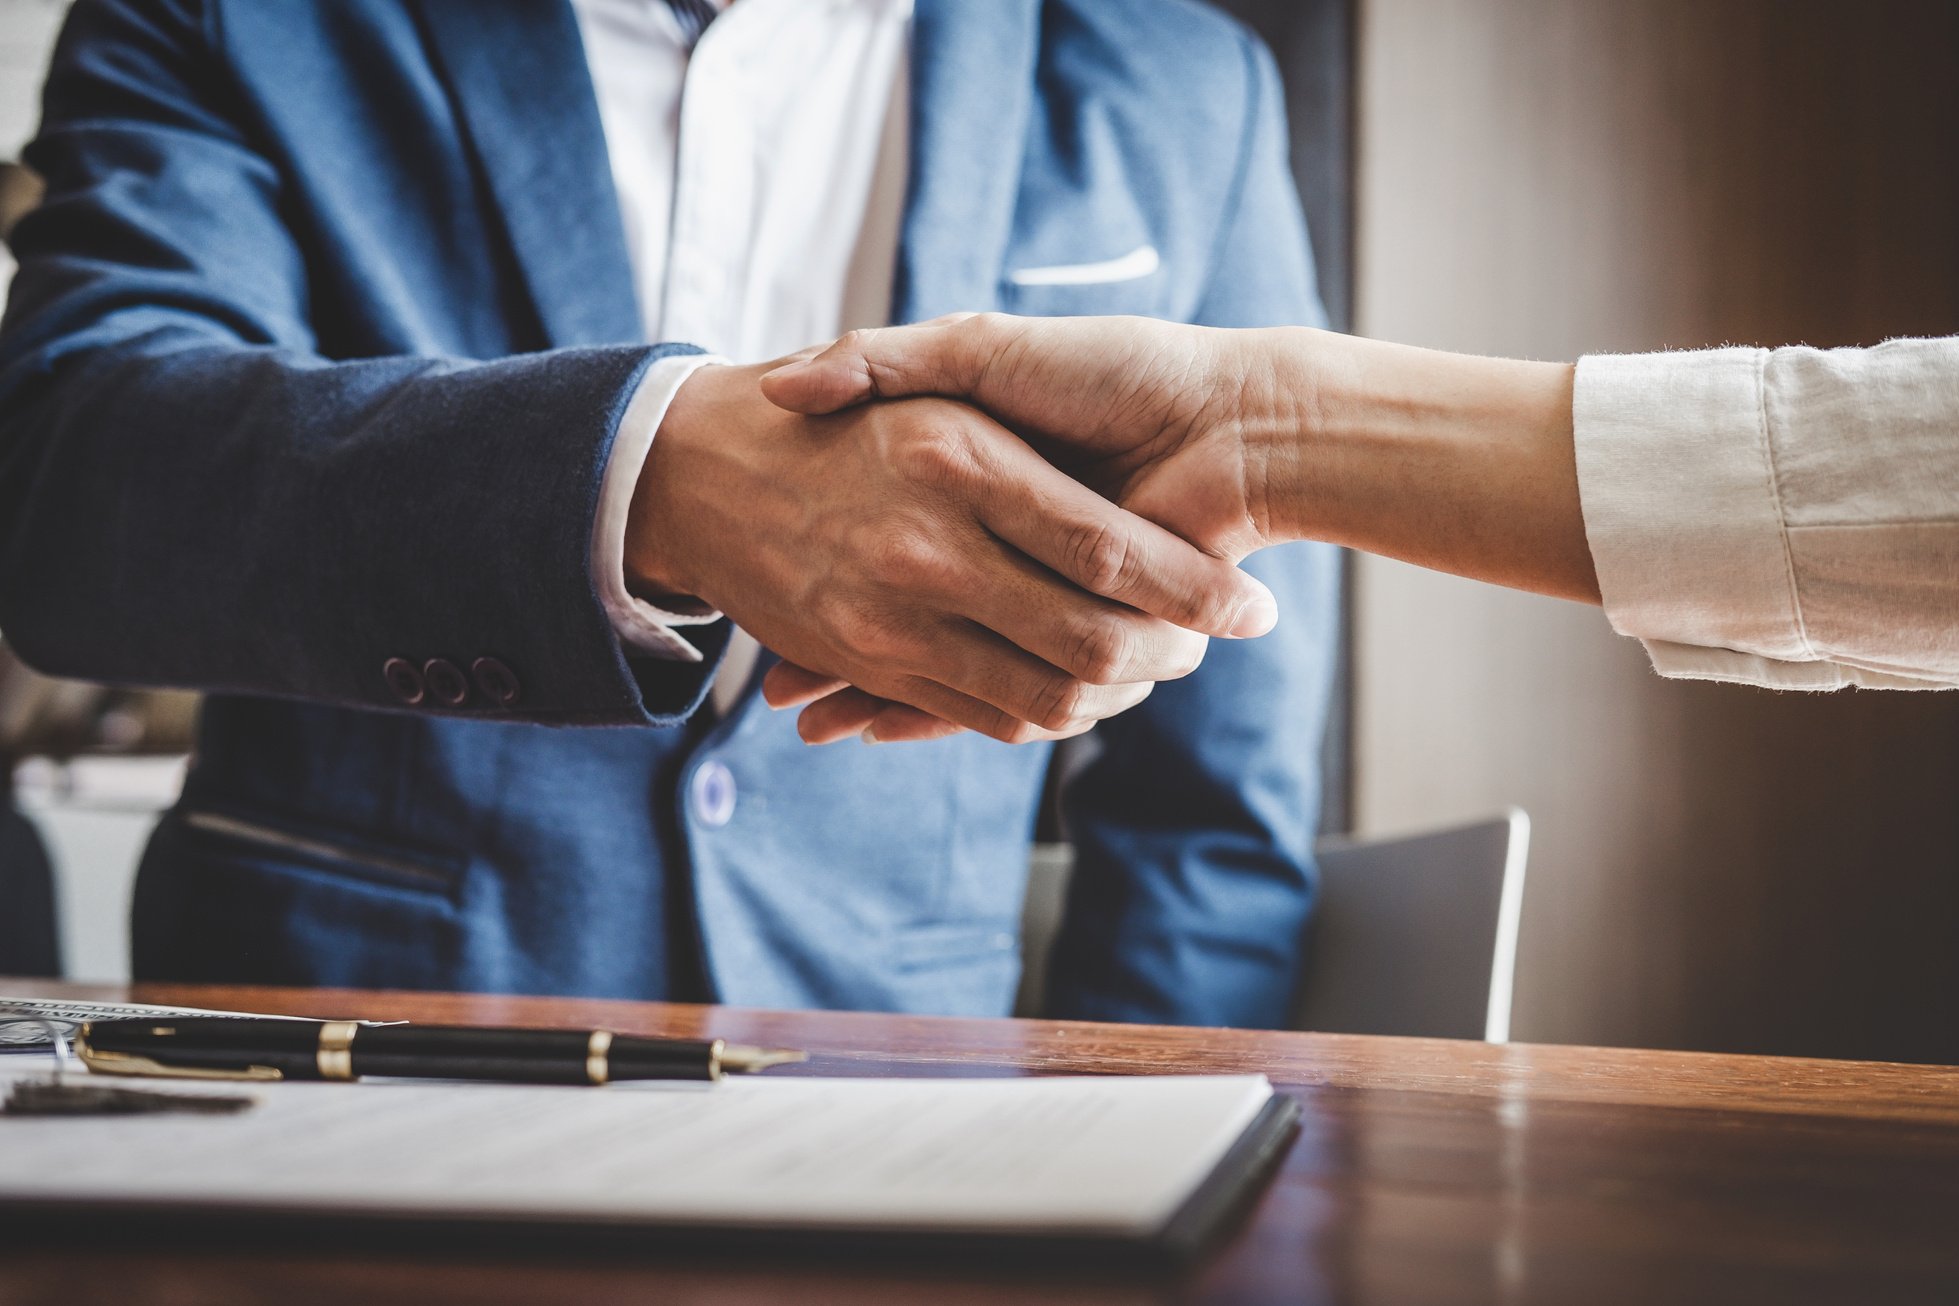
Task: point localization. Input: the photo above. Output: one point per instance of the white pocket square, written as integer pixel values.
(1133, 266)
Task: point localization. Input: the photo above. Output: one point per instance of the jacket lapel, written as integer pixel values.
(516, 70)
(972, 96)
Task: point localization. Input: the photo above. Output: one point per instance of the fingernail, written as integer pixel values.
(787, 368)
(870, 735)
(1255, 618)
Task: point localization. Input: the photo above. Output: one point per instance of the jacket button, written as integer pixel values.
(404, 680)
(712, 794)
(498, 682)
(447, 684)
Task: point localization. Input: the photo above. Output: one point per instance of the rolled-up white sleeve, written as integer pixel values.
(640, 625)
(1787, 518)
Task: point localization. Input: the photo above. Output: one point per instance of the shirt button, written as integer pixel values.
(405, 680)
(712, 793)
(447, 684)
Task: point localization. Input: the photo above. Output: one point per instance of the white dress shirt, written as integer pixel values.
(1784, 517)
(761, 184)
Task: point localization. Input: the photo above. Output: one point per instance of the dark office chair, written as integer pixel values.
(29, 944)
(1451, 899)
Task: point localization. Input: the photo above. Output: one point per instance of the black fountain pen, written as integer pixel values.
(191, 1047)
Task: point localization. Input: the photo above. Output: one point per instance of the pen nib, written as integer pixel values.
(740, 1059)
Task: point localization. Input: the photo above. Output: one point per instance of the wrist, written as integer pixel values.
(659, 560)
(1268, 401)
(1450, 461)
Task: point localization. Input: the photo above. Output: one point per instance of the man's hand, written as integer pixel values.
(923, 552)
(1148, 413)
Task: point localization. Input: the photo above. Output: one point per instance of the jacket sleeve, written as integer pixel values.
(1194, 822)
(192, 495)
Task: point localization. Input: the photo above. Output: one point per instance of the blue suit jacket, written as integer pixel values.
(314, 361)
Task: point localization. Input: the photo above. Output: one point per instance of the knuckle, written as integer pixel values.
(841, 614)
(1058, 703)
(872, 634)
(905, 557)
(933, 456)
(1104, 650)
(1020, 732)
(1212, 607)
(1100, 558)
(888, 641)
(1201, 608)
(983, 325)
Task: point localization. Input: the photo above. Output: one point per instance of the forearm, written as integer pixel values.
(1448, 461)
(197, 514)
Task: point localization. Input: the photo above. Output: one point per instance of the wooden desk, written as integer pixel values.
(1427, 1171)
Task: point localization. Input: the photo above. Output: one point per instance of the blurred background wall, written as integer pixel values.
(1712, 867)
(27, 29)
(38, 715)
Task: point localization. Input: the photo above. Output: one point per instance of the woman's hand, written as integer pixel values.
(1154, 415)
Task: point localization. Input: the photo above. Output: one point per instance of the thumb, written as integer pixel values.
(822, 383)
(878, 364)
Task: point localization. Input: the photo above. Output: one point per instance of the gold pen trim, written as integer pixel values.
(127, 1063)
(598, 1050)
(335, 1057)
(745, 1060)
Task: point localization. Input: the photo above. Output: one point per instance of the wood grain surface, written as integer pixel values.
(1426, 1171)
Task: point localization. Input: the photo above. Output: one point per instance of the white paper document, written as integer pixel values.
(18, 1035)
(1103, 1157)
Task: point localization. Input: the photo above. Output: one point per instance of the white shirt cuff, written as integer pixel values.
(1684, 520)
(1690, 662)
(640, 625)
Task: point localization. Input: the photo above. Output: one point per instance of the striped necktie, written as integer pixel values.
(693, 17)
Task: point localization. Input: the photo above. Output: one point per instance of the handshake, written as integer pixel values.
(1019, 525)
(1033, 522)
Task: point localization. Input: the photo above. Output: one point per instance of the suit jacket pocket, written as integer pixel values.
(230, 898)
(1134, 282)
(312, 849)
(1137, 264)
